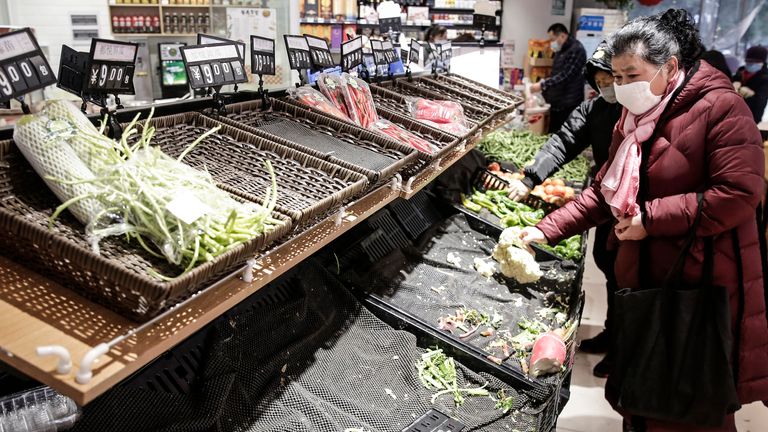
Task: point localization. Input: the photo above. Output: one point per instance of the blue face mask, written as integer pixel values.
(753, 67)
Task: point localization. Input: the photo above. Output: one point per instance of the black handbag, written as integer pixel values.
(673, 347)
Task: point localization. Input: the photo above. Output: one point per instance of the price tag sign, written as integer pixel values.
(379, 55)
(262, 55)
(390, 25)
(23, 67)
(110, 67)
(480, 21)
(404, 55)
(446, 53)
(352, 53)
(389, 51)
(415, 51)
(319, 52)
(213, 65)
(433, 54)
(298, 52)
(206, 39)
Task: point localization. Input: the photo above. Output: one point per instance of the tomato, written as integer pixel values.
(494, 166)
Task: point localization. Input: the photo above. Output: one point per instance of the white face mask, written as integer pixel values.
(555, 45)
(608, 93)
(637, 97)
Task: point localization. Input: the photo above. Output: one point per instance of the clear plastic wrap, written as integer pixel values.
(438, 111)
(331, 87)
(37, 410)
(452, 128)
(401, 135)
(359, 101)
(314, 99)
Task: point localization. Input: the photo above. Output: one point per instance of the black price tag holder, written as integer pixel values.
(298, 55)
(391, 26)
(352, 54)
(206, 39)
(262, 63)
(483, 23)
(380, 57)
(319, 52)
(213, 66)
(414, 53)
(23, 67)
(445, 54)
(106, 69)
(432, 56)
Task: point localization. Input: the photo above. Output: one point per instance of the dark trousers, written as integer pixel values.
(557, 118)
(605, 261)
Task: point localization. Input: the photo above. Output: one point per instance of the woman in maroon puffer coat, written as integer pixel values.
(703, 140)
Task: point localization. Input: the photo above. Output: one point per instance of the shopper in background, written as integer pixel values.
(590, 124)
(564, 90)
(436, 33)
(751, 81)
(684, 131)
(716, 59)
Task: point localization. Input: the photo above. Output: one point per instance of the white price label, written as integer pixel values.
(16, 44)
(108, 51)
(187, 207)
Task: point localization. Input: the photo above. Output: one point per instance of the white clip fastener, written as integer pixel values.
(65, 359)
(248, 271)
(409, 185)
(437, 164)
(85, 373)
(340, 216)
(397, 181)
(462, 147)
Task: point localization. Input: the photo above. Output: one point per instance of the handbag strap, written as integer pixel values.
(675, 274)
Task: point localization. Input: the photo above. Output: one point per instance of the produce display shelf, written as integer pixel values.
(37, 311)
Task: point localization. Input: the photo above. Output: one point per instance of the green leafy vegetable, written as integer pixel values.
(438, 371)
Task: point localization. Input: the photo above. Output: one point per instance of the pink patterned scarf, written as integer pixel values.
(622, 179)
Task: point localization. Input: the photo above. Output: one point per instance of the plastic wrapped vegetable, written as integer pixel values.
(452, 128)
(331, 87)
(438, 111)
(314, 99)
(359, 101)
(548, 354)
(401, 135)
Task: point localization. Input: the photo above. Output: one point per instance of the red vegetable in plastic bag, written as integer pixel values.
(357, 96)
(331, 86)
(314, 99)
(452, 128)
(438, 111)
(401, 135)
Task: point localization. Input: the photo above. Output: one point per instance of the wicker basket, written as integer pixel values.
(444, 141)
(118, 277)
(248, 117)
(307, 186)
(458, 82)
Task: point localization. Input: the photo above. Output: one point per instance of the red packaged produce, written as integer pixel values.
(314, 99)
(438, 111)
(452, 128)
(401, 135)
(331, 87)
(359, 101)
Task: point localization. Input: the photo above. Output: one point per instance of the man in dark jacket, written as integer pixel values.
(564, 90)
(591, 123)
(751, 81)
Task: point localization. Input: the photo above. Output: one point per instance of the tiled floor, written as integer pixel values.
(587, 410)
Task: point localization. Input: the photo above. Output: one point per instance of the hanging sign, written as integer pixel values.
(445, 50)
(213, 65)
(298, 52)
(319, 52)
(23, 67)
(352, 53)
(390, 25)
(389, 51)
(262, 55)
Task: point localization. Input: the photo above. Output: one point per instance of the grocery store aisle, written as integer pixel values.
(588, 411)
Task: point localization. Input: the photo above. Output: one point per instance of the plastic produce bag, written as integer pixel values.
(452, 128)
(314, 99)
(331, 87)
(438, 111)
(401, 135)
(357, 96)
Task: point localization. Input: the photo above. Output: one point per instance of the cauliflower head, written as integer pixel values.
(514, 261)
